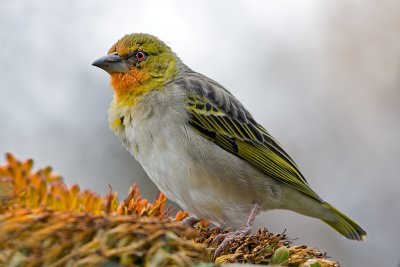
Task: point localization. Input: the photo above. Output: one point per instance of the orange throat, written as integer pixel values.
(127, 85)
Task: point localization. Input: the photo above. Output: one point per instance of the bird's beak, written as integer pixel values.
(112, 63)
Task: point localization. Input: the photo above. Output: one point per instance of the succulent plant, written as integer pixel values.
(45, 223)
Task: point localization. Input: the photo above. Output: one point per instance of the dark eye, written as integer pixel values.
(140, 55)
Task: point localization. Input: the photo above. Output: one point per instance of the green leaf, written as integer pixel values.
(281, 255)
(315, 264)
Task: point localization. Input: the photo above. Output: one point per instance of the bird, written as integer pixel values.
(199, 144)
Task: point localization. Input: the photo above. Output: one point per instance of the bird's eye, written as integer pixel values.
(140, 55)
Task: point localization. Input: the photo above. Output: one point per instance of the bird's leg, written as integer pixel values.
(228, 237)
(190, 221)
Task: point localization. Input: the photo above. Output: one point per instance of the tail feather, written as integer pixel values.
(344, 225)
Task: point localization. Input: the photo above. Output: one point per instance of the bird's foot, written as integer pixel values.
(228, 237)
(190, 221)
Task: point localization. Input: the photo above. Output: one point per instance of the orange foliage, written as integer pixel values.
(21, 186)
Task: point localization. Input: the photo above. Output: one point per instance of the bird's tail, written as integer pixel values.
(344, 225)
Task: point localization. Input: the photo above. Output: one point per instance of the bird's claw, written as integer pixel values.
(190, 221)
(228, 237)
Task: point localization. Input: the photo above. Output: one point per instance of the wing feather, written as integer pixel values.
(218, 116)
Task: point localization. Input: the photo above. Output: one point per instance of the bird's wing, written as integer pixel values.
(218, 116)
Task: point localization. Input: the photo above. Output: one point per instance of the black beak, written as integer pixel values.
(112, 63)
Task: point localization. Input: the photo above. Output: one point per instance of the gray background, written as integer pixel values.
(322, 76)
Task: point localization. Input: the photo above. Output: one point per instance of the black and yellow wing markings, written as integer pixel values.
(218, 116)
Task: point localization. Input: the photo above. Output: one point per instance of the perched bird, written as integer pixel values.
(200, 145)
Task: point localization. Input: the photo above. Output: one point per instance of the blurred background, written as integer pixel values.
(323, 77)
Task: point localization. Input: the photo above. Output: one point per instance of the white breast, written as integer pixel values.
(192, 171)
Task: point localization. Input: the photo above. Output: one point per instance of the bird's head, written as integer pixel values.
(138, 63)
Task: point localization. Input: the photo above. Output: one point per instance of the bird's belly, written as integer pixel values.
(198, 175)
